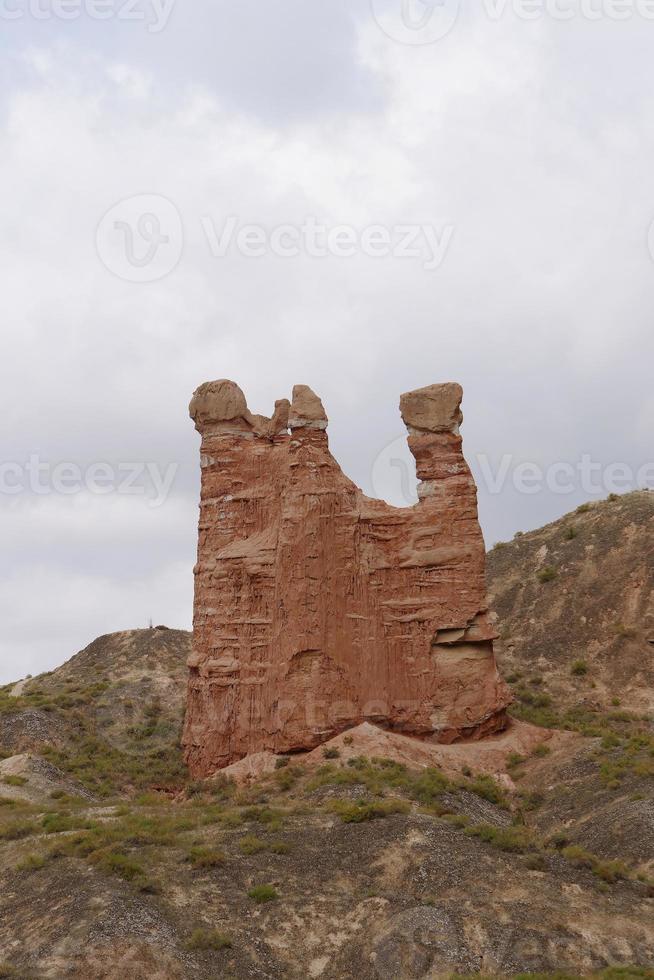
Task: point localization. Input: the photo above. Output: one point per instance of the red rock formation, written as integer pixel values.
(317, 608)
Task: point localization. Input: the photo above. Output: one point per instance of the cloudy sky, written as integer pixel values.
(365, 196)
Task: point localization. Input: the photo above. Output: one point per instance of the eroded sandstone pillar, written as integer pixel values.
(317, 608)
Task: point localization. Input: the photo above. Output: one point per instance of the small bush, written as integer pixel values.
(120, 864)
(577, 855)
(429, 786)
(263, 893)
(359, 811)
(541, 750)
(33, 862)
(488, 789)
(579, 668)
(514, 839)
(331, 753)
(251, 844)
(14, 780)
(17, 829)
(205, 857)
(582, 509)
(547, 574)
(281, 761)
(279, 847)
(208, 939)
(571, 533)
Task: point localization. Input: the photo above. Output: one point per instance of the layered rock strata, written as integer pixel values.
(318, 608)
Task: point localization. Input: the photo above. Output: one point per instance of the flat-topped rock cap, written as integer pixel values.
(218, 401)
(436, 408)
(306, 405)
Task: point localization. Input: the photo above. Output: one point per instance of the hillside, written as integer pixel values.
(376, 857)
(111, 716)
(575, 602)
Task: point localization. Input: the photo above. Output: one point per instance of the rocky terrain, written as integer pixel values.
(575, 602)
(375, 855)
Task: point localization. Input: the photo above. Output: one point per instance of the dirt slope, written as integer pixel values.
(111, 716)
(575, 601)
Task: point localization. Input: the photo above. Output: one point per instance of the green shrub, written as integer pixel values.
(359, 811)
(281, 761)
(571, 533)
(205, 857)
(122, 865)
(577, 855)
(547, 574)
(203, 939)
(515, 839)
(582, 509)
(14, 780)
(279, 847)
(541, 750)
(579, 668)
(251, 844)
(429, 786)
(263, 893)
(331, 753)
(33, 862)
(17, 829)
(486, 787)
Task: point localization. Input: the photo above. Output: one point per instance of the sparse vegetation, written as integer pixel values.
(263, 893)
(203, 939)
(579, 668)
(14, 780)
(547, 574)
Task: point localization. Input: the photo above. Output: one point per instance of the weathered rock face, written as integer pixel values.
(317, 608)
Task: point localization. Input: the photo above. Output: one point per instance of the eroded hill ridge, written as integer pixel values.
(317, 608)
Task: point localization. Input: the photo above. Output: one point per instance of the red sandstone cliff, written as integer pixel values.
(317, 608)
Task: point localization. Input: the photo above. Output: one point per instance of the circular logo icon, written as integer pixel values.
(141, 238)
(393, 475)
(415, 21)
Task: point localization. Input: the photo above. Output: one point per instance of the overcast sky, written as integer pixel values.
(434, 194)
